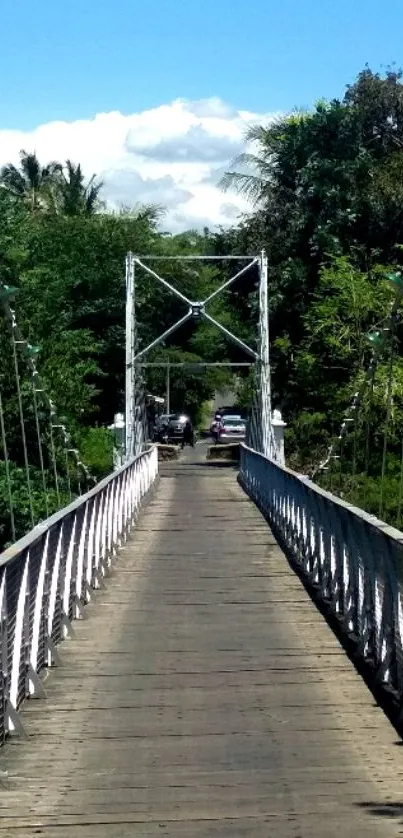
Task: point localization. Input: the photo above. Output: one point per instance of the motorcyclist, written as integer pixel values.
(214, 425)
(161, 430)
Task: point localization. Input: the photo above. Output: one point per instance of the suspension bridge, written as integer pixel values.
(185, 650)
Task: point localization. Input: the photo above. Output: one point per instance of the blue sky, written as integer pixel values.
(69, 59)
(99, 82)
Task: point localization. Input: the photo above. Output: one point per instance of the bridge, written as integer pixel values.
(201, 649)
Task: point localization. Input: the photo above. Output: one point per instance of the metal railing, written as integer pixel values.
(354, 560)
(47, 578)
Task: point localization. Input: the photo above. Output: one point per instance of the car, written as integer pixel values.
(170, 427)
(231, 429)
(161, 425)
(234, 410)
(175, 427)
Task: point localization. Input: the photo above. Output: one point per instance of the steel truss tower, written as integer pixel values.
(261, 430)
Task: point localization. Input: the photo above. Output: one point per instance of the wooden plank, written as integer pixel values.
(203, 696)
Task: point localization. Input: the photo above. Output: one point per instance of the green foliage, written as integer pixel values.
(67, 260)
(73, 195)
(334, 347)
(306, 440)
(31, 184)
(53, 188)
(42, 504)
(327, 191)
(328, 209)
(96, 448)
(70, 366)
(246, 390)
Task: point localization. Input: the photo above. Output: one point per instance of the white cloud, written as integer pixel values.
(171, 155)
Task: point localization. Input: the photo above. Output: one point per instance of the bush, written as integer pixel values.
(96, 449)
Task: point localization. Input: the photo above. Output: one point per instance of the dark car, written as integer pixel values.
(170, 427)
(161, 427)
(176, 427)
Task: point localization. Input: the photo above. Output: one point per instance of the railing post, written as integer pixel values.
(278, 434)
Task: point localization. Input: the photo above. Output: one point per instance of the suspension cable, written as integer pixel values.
(53, 451)
(38, 435)
(7, 469)
(60, 427)
(389, 396)
(355, 441)
(367, 434)
(6, 293)
(399, 505)
(66, 457)
(21, 413)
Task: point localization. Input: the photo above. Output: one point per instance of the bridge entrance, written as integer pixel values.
(261, 433)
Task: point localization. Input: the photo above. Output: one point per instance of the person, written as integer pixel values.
(188, 435)
(214, 425)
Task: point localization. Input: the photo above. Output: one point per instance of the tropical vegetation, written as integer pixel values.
(326, 193)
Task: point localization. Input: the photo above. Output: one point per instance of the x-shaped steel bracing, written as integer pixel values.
(197, 310)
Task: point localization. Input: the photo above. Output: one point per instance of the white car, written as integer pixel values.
(231, 429)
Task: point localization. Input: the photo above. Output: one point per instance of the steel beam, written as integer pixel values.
(230, 281)
(129, 388)
(162, 337)
(229, 335)
(163, 281)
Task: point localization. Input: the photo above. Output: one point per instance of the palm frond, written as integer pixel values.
(78, 197)
(51, 170)
(91, 200)
(259, 165)
(12, 180)
(250, 186)
(30, 169)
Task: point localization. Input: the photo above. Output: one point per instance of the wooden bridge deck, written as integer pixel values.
(203, 697)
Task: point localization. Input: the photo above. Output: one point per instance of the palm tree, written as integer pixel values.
(31, 182)
(74, 196)
(255, 181)
(272, 161)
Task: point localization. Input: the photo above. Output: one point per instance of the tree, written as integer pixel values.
(257, 178)
(31, 183)
(73, 195)
(328, 364)
(327, 198)
(327, 204)
(324, 184)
